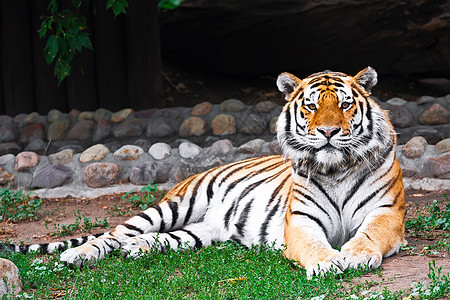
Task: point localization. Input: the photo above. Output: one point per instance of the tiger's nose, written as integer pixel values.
(328, 132)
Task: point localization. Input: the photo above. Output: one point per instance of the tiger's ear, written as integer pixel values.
(287, 83)
(367, 78)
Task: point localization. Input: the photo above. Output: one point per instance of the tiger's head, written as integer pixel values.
(330, 124)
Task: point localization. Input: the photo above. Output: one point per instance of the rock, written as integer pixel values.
(145, 114)
(159, 127)
(129, 128)
(425, 100)
(26, 160)
(143, 143)
(102, 131)
(96, 152)
(102, 114)
(189, 150)
(193, 126)
(53, 115)
(10, 274)
(57, 129)
(33, 131)
(252, 147)
(221, 148)
(400, 116)
(430, 134)
(253, 124)
(113, 146)
(128, 152)
(223, 124)
(443, 146)
(74, 113)
(9, 132)
(37, 146)
(81, 131)
(159, 151)
(447, 98)
(97, 175)
(31, 118)
(6, 178)
(202, 109)
(275, 147)
(434, 115)
(121, 115)
(232, 105)
(5, 159)
(396, 101)
(156, 171)
(62, 157)
(186, 170)
(4, 119)
(52, 176)
(437, 167)
(86, 115)
(20, 118)
(11, 147)
(273, 125)
(264, 107)
(415, 147)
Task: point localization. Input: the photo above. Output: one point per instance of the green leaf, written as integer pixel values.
(51, 49)
(118, 6)
(43, 29)
(166, 5)
(84, 40)
(62, 69)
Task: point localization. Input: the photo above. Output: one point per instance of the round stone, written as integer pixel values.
(425, 100)
(396, 101)
(436, 114)
(97, 175)
(189, 150)
(96, 152)
(275, 147)
(202, 109)
(160, 151)
(62, 157)
(143, 143)
(415, 147)
(74, 113)
(129, 128)
(156, 171)
(52, 176)
(400, 116)
(273, 125)
(128, 152)
(33, 131)
(102, 131)
(37, 146)
(31, 118)
(6, 177)
(53, 115)
(253, 124)
(159, 127)
(20, 118)
(193, 126)
(443, 146)
(264, 107)
(223, 124)
(232, 105)
(86, 115)
(437, 167)
(10, 147)
(9, 132)
(82, 130)
(57, 129)
(10, 285)
(252, 147)
(102, 114)
(121, 115)
(26, 160)
(221, 148)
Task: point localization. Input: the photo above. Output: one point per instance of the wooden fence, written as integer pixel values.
(122, 71)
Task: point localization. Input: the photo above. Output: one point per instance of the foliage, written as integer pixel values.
(86, 226)
(144, 201)
(432, 218)
(66, 31)
(17, 206)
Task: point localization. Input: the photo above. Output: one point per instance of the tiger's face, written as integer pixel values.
(329, 122)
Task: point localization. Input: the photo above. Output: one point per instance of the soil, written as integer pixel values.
(398, 271)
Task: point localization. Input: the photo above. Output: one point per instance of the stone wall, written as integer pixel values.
(85, 149)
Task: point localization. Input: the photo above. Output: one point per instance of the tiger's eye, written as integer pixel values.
(312, 106)
(345, 105)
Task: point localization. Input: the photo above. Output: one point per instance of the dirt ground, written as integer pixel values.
(398, 271)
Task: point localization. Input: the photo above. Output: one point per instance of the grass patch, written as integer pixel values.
(82, 223)
(146, 197)
(17, 206)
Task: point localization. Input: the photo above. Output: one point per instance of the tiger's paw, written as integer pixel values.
(134, 247)
(362, 256)
(79, 256)
(334, 262)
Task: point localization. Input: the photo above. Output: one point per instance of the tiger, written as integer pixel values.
(334, 199)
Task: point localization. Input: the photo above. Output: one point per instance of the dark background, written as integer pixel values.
(140, 58)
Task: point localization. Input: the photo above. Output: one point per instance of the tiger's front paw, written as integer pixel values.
(358, 256)
(134, 247)
(332, 262)
(82, 255)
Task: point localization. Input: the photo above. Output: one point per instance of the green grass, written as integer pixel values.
(82, 223)
(17, 206)
(145, 200)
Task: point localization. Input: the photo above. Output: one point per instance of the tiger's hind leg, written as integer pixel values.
(194, 235)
